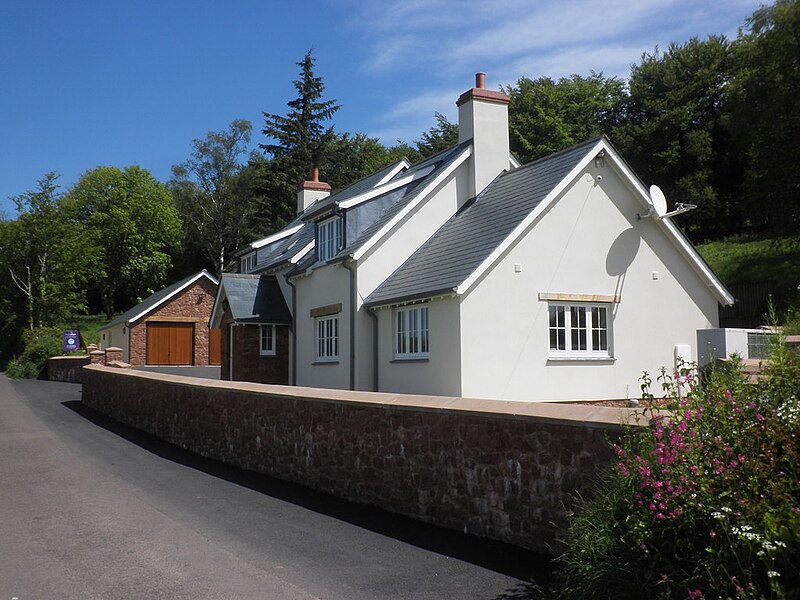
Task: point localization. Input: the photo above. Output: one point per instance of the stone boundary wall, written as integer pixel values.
(500, 469)
(69, 368)
(66, 368)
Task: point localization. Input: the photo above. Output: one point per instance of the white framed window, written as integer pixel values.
(327, 336)
(579, 331)
(266, 340)
(248, 263)
(329, 238)
(412, 332)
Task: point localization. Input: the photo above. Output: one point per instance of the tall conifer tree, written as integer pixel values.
(301, 139)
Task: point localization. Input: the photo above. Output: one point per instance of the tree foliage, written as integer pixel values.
(217, 218)
(546, 116)
(441, 136)
(301, 139)
(131, 223)
(675, 130)
(766, 120)
(47, 262)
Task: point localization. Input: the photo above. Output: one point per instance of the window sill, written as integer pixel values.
(594, 359)
(326, 362)
(411, 359)
(273, 355)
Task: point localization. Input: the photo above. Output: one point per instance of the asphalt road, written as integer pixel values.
(93, 509)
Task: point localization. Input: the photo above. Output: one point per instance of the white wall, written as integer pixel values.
(588, 242)
(116, 336)
(393, 251)
(440, 374)
(326, 285)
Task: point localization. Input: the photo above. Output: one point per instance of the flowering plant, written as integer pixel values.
(703, 500)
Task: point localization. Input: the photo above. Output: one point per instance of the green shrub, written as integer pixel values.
(39, 345)
(701, 503)
(21, 370)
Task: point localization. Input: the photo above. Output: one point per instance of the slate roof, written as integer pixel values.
(281, 251)
(404, 195)
(441, 161)
(354, 189)
(151, 302)
(461, 245)
(254, 298)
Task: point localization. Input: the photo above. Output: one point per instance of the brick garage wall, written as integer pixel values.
(499, 469)
(195, 304)
(248, 364)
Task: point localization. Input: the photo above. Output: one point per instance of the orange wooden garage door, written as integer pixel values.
(170, 343)
(215, 347)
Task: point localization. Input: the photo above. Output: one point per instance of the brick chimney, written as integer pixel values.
(311, 191)
(483, 118)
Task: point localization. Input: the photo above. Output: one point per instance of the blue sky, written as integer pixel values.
(89, 83)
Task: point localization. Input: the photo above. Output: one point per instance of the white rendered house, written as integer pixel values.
(470, 275)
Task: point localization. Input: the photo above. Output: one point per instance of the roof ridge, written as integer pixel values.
(541, 159)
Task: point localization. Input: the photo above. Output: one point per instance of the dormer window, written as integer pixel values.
(248, 263)
(329, 238)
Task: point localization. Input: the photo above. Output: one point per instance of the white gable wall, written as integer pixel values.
(589, 242)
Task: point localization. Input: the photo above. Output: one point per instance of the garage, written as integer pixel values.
(170, 343)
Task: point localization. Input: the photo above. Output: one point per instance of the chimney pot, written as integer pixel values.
(315, 175)
(480, 81)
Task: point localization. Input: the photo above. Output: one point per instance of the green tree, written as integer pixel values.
(441, 136)
(546, 116)
(217, 218)
(301, 139)
(766, 119)
(131, 223)
(48, 262)
(675, 131)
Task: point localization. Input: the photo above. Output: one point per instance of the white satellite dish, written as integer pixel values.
(659, 200)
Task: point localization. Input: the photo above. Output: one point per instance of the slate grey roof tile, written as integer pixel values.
(255, 298)
(400, 197)
(461, 245)
(354, 189)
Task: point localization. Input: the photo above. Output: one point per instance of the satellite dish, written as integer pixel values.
(659, 200)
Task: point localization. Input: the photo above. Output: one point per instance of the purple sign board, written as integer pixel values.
(72, 340)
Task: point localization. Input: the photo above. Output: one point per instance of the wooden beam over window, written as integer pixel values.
(579, 297)
(323, 311)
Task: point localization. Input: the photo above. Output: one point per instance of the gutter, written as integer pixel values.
(374, 317)
(294, 328)
(353, 298)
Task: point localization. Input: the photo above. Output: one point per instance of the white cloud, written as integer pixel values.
(448, 40)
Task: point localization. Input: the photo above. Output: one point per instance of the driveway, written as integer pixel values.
(93, 509)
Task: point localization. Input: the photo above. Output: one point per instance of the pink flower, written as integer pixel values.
(695, 594)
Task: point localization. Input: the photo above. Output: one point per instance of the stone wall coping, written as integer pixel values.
(70, 357)
(578, 415)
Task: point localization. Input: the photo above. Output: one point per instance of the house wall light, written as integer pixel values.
(600, 160)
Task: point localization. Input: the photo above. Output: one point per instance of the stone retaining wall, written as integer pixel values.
(66, 368)
(500, 469)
